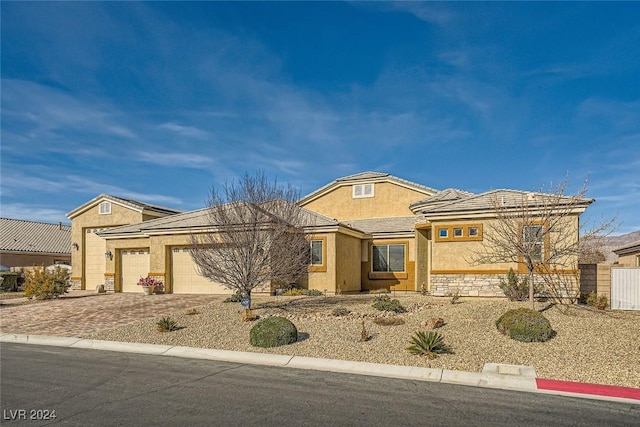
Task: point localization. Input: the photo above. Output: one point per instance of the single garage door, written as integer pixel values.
(134, 265)
(185, 277)
(94, 263)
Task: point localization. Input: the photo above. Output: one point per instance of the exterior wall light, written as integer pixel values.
(75, 246)
(108, 255)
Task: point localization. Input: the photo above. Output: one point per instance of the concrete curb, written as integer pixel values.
(506, 377)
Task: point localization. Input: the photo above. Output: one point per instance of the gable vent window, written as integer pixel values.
(105, 208)
(362, 190)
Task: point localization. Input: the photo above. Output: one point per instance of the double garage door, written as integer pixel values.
(185, 277)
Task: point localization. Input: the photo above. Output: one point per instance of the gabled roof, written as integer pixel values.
(515, 199)
(382, 226)
(631, 248)
(366, 177)
(448, 195)
(135, 205)
(17, 235)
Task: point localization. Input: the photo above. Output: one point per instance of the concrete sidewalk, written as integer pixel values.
(507, 377)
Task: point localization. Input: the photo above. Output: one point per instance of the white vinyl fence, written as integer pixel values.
(625, 288)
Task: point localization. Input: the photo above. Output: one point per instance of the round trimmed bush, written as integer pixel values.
(526, 325)
(273, 332)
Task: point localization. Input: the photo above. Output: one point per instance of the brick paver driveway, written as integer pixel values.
(78, 317)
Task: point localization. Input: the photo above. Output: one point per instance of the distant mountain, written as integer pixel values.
(614, 242)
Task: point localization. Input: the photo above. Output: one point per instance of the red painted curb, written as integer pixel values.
(586, 388)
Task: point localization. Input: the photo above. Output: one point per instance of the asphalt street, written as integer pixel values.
(92, 387)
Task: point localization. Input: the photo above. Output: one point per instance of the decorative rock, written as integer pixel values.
(248, 315)
(434, 323)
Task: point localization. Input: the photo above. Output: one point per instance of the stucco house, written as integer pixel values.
(629, 255)
(367, 231)
(27, 243)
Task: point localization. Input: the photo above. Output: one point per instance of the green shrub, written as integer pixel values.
(167, 324)
(526, 325)
(384, 303)
(41, 284)
(236, 297)
(340, 311)
(601, 302)
(388, 321)
(10, 280)
(314, 293)
(428, 344)
(514, 288)
(273, 332)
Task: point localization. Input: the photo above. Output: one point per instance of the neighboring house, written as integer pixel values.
(28, 243)
(367, 231)
(629, 255)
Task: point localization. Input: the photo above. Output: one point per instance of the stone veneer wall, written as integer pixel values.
(109, 284)
(466, 285)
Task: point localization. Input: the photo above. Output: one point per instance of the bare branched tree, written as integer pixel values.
(541, 232)
(256, 236)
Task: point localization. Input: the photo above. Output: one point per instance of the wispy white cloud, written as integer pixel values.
(432, 13)
(34, 213)
(188, 131)
(176, 159)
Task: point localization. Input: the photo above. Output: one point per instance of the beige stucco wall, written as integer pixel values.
(92, 219)
(629, 260)
(391, 200)
(348, 263)
(324, 280)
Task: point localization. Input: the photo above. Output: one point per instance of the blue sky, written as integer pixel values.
(160, 101)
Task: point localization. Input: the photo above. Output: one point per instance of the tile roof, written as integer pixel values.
(200, 219)
(384, 225)
(37, 237)
(447, 195)
(628, 248)
(508, 199)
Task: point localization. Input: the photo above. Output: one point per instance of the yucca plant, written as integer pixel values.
(428, 344)
(167, 324)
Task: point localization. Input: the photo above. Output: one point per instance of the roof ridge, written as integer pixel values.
(57, 224)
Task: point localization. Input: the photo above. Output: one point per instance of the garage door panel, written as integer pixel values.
(95, 247)
(185, 277)
(134, 265)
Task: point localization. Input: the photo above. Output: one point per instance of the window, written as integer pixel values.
(388, 258)
(457, 232)
(473, 231)
(533, 241)
(316, 252)
(443, 233)
(362, 190)
(104, 208)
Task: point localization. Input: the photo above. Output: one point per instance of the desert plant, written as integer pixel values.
(236, 297)
(293, 292)
(428, 344)
(514, 288)
(601, 302)
(384, 303)
(455, 296)
(340, 311)
(273, 332)
(526, 325)
(9, 280)
(41, 284)
(388, 321)
(364, 335)
(167, 324)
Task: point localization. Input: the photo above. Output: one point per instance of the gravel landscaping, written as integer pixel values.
(590, 346)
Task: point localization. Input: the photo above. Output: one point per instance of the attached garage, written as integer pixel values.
(94, 265)
(185, 278)
(134, 265)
